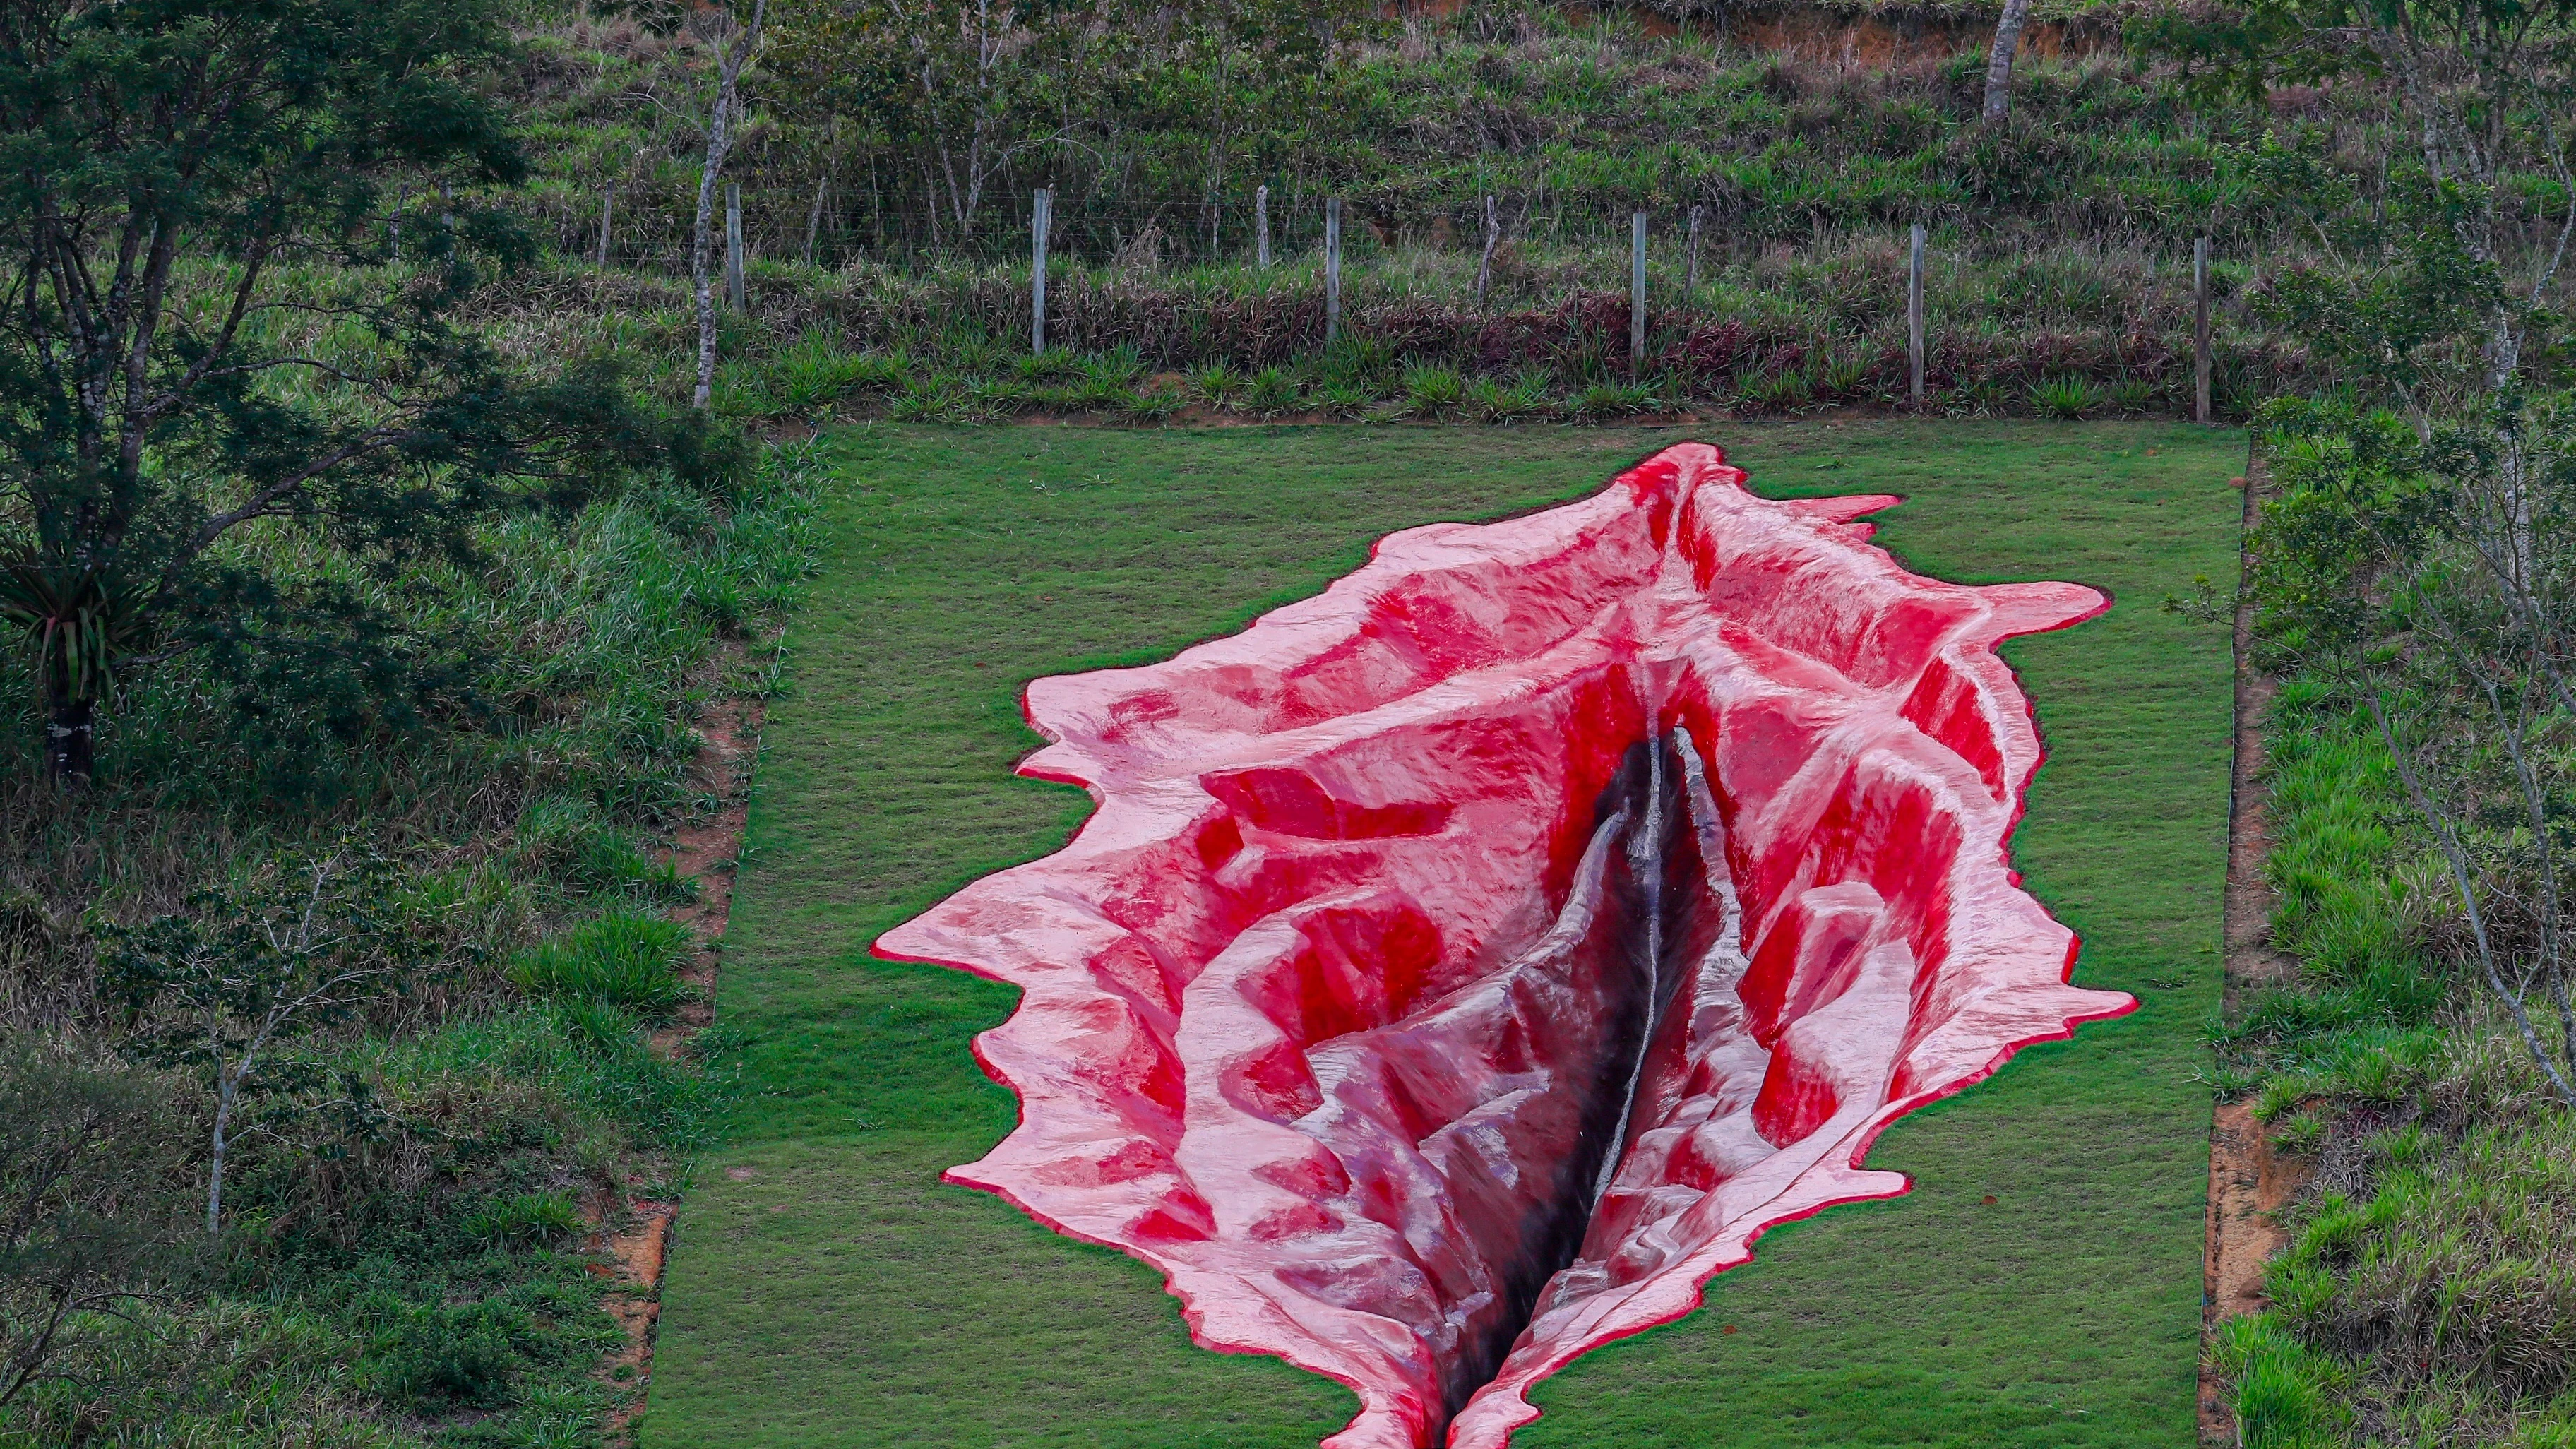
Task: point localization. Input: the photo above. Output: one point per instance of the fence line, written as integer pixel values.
(1308, 225)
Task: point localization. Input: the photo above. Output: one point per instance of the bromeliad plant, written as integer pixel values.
(82, 625)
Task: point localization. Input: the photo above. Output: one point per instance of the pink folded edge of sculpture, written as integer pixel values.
(1467, 963)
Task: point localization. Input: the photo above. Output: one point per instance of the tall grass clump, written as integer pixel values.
(627, 959)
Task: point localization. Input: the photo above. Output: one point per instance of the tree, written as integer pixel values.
(1237, 53)
(2434, 578)
(1999, 59)
(735, 47)
(228, 986)
(203, 341)
(84, 1149)
(947, 79)
(2487, 93)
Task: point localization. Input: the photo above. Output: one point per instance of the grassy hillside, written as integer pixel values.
(2059, 244)
(828, 1290)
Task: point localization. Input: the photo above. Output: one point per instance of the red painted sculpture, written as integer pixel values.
(1466, 964)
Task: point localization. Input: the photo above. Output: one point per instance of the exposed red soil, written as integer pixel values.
(2249, 1183)
(631, 1251)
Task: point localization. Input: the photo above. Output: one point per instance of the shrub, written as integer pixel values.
(524, 1219)
(1154, 402)
(1215, 383)
(1344, 399)
(1839, 378)
(461, 1354)
(1044, 367)
(883, 373)
(938, 398)
(1614, 399)
(1432, 391)
(1360, 363)
(1272, 391)
(627, 959)
(812, 372)
(2067, 397)
(2131, 395)
(1102, 389)
(1776, 392)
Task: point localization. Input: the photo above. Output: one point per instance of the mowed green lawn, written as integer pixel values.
(2041, 1285)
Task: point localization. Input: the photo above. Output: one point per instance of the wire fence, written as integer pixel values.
(653, 233)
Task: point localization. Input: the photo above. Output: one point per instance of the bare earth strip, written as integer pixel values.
(704, 849)
(2248, 1182)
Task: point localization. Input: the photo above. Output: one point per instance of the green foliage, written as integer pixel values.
(626, 959)
(168, 416)
(1271, 391)
(2281, 1388)
(1216, 383)
(524, 1218)
(83, 1155)
(1432, 391)
(2066, 397)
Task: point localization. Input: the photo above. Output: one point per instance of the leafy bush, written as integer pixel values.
(1344, 399)
(1777, 392)
(1154, 402)
(2067, 397)
(1216, 383)
(465, 1354)
(1431, 391)
(627, 959)
(1272, 391)
(525, 1218)
(1612, 399)
(2130, 396)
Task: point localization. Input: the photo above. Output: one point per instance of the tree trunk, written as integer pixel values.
(215, 1165)
(719, 141)
(1999, 61)
(70, 729)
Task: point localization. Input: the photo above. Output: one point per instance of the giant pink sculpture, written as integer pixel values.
(1466, 964)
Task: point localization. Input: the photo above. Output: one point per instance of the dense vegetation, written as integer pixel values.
(367, 621)
(2060, 240)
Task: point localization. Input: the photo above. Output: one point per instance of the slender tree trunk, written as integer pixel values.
(215, 1164)
(814, 217)
(1999, 61)
(70, 733)
(737, 46)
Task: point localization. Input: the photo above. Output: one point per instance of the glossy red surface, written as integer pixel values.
(1667, 825)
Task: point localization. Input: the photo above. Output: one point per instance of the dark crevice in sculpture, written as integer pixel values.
(1636, 921)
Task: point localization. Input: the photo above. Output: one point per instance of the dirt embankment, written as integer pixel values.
(2248, 1182)
(636, 1236)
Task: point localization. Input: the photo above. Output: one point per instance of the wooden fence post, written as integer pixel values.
(1914, 316)
(733, 245)
(2200, 329)
(1041, 214)
(1332, 268)
(1636, 293)
(1493, 236)
(1692, 281)
(607, 214)
(1261, 226)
